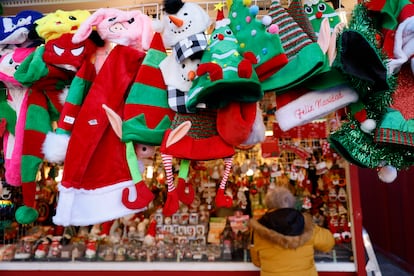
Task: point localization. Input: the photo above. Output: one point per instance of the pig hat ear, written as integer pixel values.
(147, 31)
(85, 29)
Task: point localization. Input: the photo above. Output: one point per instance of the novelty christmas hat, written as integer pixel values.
(147, 114)
(53, 25)
(298, 14)
(301, 106)
(364, 65)
(258, 37)
(306, 57)
(317, 10)
(201, 140)
(192, 137)
(224, 75)
(389, 14)
(13, 109)
(18, 29)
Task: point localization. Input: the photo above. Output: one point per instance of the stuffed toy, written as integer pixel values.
(19, 30)
(13, 109)
(94, 179)
(47, 72)
(182, 28)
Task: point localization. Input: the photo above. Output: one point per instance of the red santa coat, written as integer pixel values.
(95, 169)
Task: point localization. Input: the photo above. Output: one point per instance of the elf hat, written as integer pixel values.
(201, 142)
(224, 75)
(298, 14)
(55, 24)
(19, 28)
(301, 106)
(257, 36)
(306, 58)
(147, 115)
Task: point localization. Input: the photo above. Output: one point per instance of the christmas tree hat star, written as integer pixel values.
(147, 114)
(224, 74)
(257, 37)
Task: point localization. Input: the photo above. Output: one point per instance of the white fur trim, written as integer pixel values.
(55, 146)
(257, 134)
(403, 45)
(82, 207)
(314, 105)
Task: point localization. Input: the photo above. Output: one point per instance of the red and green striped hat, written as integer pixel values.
(147, 114)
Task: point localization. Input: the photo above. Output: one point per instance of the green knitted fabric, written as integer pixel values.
(291, 34)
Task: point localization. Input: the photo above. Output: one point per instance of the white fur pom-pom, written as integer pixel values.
(157, 26)
(387, 174)
(55, 146)
(368, 125)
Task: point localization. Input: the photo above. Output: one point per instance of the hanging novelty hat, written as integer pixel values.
(298, 14)
(317, 10)
(13, 107)
(129, 28)
(18, 29)
(306, 57)
(257, 36)
(301, 106)
(182, 28)
(359, 56)
(224, 75)
(147, 114)
(53, 25)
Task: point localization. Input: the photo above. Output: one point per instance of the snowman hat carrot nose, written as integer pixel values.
(177, 21)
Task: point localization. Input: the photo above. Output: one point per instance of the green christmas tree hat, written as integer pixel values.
(224, 74)
(257, 36)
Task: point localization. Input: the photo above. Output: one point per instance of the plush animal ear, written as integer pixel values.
(147, 31)
(324, 35)
(178, 133)
(85, 29)
(114, 119)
